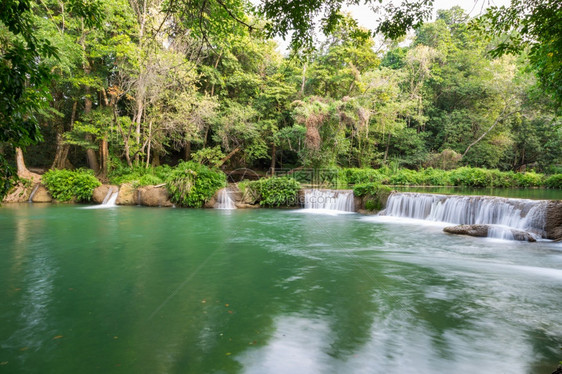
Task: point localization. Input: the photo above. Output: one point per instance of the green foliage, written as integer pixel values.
(554, 181)
(139, 176)
(464, 176)
(374, 194)
(192, 185)
(209, 156)
(276, 191)
(7, 174)
(65, 185)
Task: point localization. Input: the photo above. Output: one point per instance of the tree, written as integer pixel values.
(534, 26)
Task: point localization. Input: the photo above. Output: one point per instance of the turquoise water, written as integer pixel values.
(149, 290)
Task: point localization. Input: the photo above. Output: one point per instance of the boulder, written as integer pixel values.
(128, 195)
(243, 205)
(553, 227)
(482, 231)
(155, 196)
(101, 192)
(472, 230)
(211, 203)
(42, 195)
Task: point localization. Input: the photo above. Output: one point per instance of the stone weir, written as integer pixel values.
(503, 217)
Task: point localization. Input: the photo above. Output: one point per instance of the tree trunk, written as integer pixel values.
(273, 158)
(22, 169)
(90, 153)
(187, 151)
(387, 147)
(228, 157)
(61, 154)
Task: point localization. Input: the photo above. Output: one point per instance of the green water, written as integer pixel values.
(148, 290)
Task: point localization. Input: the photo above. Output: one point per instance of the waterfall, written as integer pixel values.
(224, 201)
(329, 200)
(33, 192)
(108, 200)
(503, 213)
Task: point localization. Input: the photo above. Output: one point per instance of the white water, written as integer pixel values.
(329, 200)
(33, 192)
(108, 201)
(503, 213)
(224, 201)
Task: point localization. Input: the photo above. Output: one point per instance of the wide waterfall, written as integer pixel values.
(503, 213)
(224, 201)
(329, 200)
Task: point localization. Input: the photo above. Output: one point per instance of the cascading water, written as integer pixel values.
(329, 200)
(108, 201)
(33, 192)
(504, 214)
(224, 201)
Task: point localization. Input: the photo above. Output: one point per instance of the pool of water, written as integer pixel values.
(149, 290)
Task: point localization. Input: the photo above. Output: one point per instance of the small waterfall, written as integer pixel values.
(329, 200)
(224, 201)
(33, 192)
(108, 200)
(505, 214)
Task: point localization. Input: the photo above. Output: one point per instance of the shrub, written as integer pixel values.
(65, 185)
(554, 181)
(276, 191)
(374, 194)
(139, 176)
(529, 179)
(191, 184)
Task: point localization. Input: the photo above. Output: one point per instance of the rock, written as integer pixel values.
(19, 194)
(42, 195)
(128, 195)
(482, 231)
(242, 205)
(553, 227)
(155, 196)
(101, 192)
(211, 203)
(523, 236)
(472, 230)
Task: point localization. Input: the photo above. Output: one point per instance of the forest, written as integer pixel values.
(127, 86)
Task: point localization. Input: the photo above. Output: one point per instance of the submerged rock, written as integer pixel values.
(482, 231)
(127, 195)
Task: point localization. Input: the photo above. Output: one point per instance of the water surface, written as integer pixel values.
(155, 290)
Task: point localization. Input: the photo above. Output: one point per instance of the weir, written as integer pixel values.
(224, 201)
(505, 214)
(108, 201)
(329, 200)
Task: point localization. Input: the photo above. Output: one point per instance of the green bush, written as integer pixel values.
(554, 181)
(191, 184)
(65, 185)
(528, 179)
(374, 194)
(276, 191)
(139, 176)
